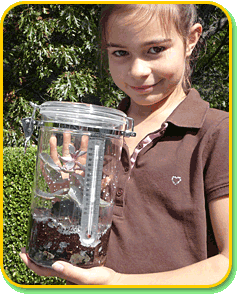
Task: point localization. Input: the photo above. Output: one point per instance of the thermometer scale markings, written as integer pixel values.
(92, 189)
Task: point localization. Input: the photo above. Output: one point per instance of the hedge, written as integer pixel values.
(18, 173)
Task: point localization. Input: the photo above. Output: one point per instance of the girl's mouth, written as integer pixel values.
(143, 88)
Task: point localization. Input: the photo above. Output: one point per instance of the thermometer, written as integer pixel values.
(92, 190)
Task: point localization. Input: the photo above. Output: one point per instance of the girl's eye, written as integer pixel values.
(120, 53)
(156, 50)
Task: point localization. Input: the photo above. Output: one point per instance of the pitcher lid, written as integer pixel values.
(83, 114)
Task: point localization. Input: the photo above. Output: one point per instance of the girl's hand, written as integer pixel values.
(73, 274)
(60, 161)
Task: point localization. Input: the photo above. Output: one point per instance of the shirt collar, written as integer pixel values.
(190, 112)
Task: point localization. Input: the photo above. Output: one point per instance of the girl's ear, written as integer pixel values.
(195, 33)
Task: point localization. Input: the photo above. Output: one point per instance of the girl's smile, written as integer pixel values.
(144, 89)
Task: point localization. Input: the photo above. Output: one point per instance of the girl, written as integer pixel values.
(171, 219)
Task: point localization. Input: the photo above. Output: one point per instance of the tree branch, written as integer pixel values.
(216, 26)
(217, 50)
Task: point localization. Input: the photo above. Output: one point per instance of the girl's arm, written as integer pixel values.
(206, 272)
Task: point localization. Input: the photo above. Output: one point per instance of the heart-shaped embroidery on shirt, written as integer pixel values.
(176, 180)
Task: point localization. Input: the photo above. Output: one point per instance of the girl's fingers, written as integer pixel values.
(66, 143)
(53, 150)
(75, 275)
(84, 143)
(83, 147)
(41, 271)
(80, 276)
(71, 273)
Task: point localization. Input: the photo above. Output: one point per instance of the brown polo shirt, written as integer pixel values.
(161, 220)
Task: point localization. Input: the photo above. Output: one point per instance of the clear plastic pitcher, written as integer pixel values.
(75, 182)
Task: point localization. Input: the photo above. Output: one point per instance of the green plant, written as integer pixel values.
(51, 52)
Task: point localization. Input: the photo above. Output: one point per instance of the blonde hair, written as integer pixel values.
(183, 16)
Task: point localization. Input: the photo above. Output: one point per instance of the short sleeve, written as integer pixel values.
(216, 172)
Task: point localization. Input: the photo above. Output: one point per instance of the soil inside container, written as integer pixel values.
(49, 243)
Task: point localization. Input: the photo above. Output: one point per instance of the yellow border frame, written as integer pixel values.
(230, 146)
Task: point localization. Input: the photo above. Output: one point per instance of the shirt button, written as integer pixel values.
(119, 192)
(139, 146)
(126, 169)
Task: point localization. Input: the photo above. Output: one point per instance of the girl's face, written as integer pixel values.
(145, 62)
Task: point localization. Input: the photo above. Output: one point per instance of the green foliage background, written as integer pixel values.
(211, 70)
(52, 52)
(18, 173)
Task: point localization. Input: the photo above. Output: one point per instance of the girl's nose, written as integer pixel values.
(139, 68)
